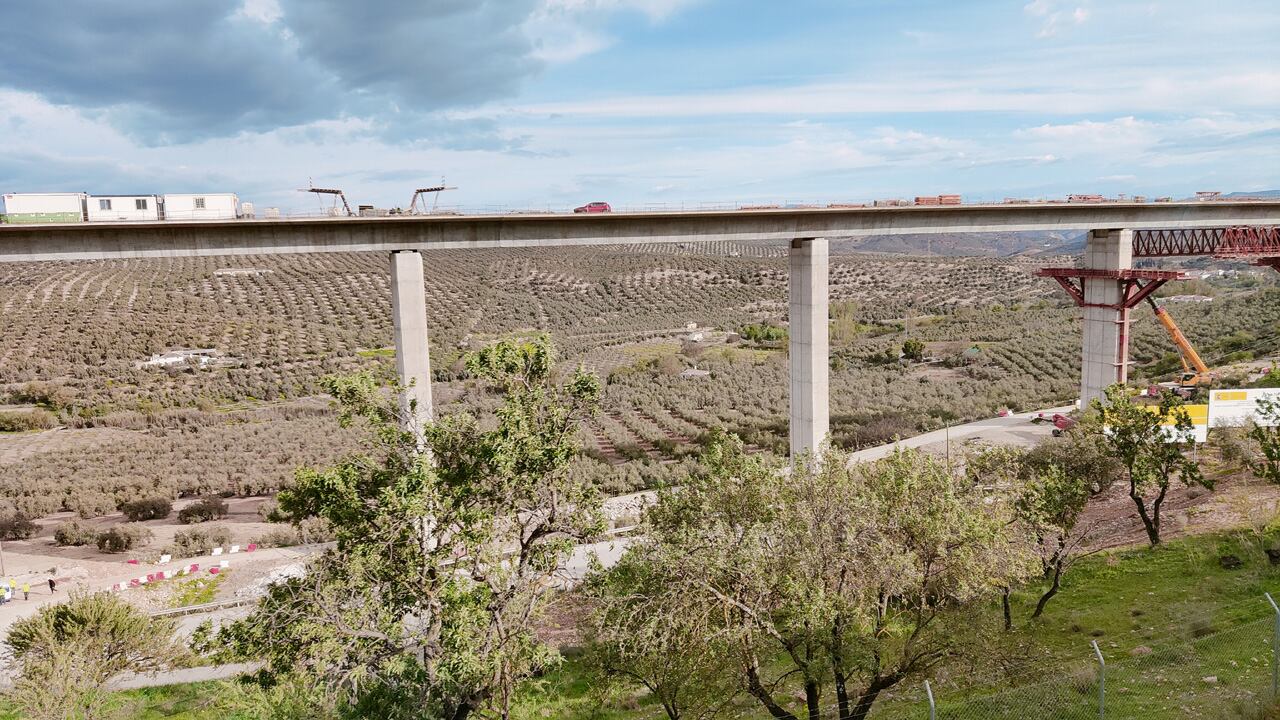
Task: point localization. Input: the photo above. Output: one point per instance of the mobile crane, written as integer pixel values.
(1195, 373)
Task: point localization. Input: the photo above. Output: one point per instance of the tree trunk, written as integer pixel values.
(1156, 510)
(812, 699)
(868, 698)
(1008, 613)
(1153, 530)
(759, 692)
(842, 696)
(1053, 590)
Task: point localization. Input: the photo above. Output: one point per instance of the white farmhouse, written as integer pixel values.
(26, 208)
(198, 356)
(201, 206)
(107, 208)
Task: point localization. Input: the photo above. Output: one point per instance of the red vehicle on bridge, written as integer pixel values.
(594, 207)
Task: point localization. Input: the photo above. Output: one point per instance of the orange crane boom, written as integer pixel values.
(1195, 372)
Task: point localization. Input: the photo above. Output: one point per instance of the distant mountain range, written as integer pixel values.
(996, 244)
(1254, 194)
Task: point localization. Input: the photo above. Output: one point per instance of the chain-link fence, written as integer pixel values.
(1197, 671)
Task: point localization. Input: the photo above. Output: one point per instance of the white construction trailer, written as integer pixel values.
(201, 206)
(27, 208)
(109, 208)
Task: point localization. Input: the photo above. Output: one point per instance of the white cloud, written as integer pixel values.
(264, 11)
(655, 10)
(1053, 16)
(565, 30)
(1069, 90)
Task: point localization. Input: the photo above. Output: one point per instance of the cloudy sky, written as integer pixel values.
(536, 103)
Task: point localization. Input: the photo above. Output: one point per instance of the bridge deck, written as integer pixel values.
(94, 241)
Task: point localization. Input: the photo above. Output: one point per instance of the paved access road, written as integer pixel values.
(1016, 429)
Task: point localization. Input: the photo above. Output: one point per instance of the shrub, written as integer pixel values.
(90, 503)
(22, 421)
(278, 537)
(203, 510)
(198, 541)
(73, 533)
(310, 530)
(152, 508)
(269, 511)
(17, 527)
(122, 538)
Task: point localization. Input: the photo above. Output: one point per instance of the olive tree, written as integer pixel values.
(1267, 437)
(425, 608)
(1152, 453)
(1048, 503)
(635, 634)
(66, 654)
(827, 579)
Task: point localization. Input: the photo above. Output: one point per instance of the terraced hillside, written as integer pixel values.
(73, 335)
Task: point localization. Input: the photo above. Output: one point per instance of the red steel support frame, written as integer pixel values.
(1135, 291)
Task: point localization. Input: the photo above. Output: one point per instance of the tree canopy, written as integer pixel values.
(847, 573)
(1152, 452)
(443, 560)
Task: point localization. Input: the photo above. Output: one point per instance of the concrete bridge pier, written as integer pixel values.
(1105, 353)
(413, 361)
(808, 337)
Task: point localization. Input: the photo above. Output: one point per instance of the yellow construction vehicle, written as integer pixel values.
(1195, 373)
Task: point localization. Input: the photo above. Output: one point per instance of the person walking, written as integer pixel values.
(26, 591)
(53, 585)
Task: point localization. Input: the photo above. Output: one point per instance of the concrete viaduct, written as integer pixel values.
(1106, 283)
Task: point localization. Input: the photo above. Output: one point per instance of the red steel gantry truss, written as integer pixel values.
(1260, 245)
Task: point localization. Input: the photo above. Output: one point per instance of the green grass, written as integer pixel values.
(192, 591)
(1198, 618)
(198, 590)
(387, 352)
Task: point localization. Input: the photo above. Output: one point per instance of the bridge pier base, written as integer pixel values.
(808, 344)
(413, 359)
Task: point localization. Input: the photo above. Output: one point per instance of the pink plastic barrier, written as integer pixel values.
(214, 570)
(251, 547)
(133, 562)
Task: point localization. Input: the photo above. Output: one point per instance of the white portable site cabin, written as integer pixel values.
(107, 208)
(26, 208)
(201, 206)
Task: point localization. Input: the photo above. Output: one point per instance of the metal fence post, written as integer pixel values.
(1102, 681)
(933, 710)
(1275, 649)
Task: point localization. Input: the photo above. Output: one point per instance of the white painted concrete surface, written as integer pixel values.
(809, 355)
(1105, 350)
(413, 358)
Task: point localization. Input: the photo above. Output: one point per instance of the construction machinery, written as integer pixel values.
(335, 194)
(1195, 373)
(422, 193)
